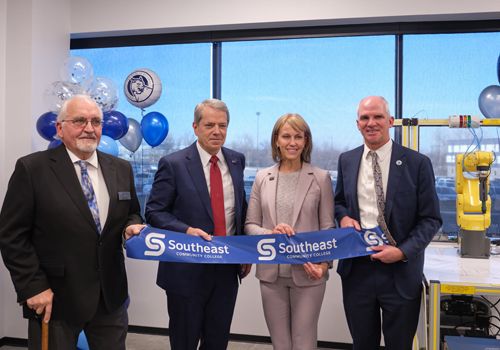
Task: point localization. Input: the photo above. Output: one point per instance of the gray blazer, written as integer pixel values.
(313, 210)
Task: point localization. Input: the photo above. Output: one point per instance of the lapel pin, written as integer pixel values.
(271, 178)
(234, 161)
(398, 162)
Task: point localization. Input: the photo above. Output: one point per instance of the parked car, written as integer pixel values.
(143, 179)
(445, 181)
(248, 183)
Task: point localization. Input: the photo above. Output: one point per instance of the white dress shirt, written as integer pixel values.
(227, 185)
(367, 198)
(98, 183)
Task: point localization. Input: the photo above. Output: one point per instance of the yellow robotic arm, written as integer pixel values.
(473, 202)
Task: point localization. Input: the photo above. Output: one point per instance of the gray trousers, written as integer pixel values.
(292, 313)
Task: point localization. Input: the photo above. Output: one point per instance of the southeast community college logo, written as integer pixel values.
(156, 245)
(372, 239)
(266, 249)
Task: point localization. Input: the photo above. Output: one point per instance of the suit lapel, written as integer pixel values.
(109, 174)
(195, 169)
(398, 164)
(271, 186)
(236, 176)
(353, 164)
(65, 172)
(305, 179)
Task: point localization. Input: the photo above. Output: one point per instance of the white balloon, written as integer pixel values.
(104, 92)
(142, 88)
(56, 93)
(77, 70)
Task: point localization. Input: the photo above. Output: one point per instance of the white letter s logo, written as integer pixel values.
(266, 249)
(372, 239)
(155, 244)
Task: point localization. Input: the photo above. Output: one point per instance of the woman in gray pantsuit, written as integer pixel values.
(291, 196)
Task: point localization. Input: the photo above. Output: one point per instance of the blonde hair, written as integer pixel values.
(298, 124)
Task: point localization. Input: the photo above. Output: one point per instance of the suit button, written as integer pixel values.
(97, 269)
(100, 243)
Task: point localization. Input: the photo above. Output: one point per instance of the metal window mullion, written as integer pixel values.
(398, 113)
(216, 70)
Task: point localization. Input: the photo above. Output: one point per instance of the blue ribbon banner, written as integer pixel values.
(315, 246)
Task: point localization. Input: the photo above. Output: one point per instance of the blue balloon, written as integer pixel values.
(489, 102)
(46, 125)
(54, 143)
(108, 145)
(115, 125)
(154, 127)
(82, 342)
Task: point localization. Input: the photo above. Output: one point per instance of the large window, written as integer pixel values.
(323, 79)
(444, 75)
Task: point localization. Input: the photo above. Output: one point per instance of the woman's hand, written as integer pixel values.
(283, 228)
(316, 271)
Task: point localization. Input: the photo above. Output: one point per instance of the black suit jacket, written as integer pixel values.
(411, 210)
(48, 237)
(179, 199)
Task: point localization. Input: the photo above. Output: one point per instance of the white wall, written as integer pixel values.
(3, 35)
(114, 17)
(34, 41)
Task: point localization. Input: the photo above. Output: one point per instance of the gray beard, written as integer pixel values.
(86, 146)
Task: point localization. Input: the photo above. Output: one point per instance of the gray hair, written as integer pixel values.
(63, 112)
(213, 103)
(386, 104)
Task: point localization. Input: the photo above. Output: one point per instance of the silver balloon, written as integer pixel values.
(77, 70)
(104, 92)
(56, 93)
(489, 101)
(133, 138)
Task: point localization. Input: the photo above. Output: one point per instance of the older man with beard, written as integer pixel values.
(65, 214)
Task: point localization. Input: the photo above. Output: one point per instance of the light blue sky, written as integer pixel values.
(323, 79)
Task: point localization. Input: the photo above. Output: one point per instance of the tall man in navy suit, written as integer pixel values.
(390, 279)
(200, 297)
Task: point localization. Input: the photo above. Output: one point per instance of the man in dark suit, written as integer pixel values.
(402, 180)
(187, 196)
(61, 232)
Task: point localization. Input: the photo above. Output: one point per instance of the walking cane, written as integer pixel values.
(45, 333)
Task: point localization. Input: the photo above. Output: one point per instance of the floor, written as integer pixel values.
(137, 341)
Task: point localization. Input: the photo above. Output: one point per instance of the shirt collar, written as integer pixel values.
(93, 160)
(205, 156)
(382, 152)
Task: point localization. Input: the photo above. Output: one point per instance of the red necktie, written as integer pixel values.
(217, 198)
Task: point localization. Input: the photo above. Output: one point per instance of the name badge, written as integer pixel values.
(124, 196)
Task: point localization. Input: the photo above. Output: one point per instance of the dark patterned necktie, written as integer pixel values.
(379, 190)
(217, 198)
(88, 191)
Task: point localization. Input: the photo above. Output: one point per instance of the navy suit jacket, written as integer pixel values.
(412, 210)
(179, 199)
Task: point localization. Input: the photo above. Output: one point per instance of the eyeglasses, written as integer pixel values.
(82, 122)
